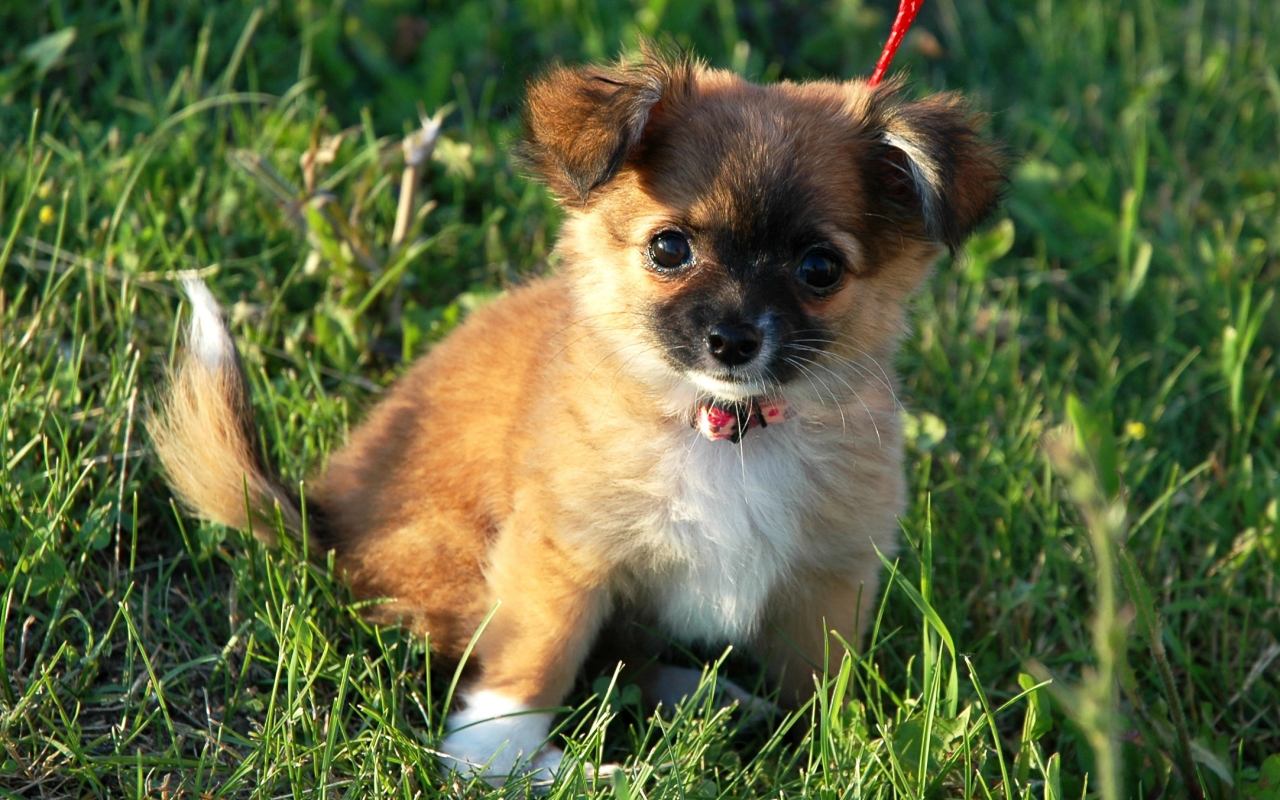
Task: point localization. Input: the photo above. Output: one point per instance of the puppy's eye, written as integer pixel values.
(819, 270)
(669, 251)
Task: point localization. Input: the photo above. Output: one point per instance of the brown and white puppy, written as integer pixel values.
(726, 247)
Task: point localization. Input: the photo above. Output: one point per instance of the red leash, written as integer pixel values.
(907, 10)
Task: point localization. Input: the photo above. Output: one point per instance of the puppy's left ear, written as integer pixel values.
(582, 123)
(934, 169)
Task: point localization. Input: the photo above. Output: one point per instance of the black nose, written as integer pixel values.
(733, 343)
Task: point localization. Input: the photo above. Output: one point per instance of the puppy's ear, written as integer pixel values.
(581, 123)
(931, 167)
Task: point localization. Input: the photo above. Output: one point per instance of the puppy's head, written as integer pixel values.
(750, 240)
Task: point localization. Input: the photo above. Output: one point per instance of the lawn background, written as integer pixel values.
(1095, 446)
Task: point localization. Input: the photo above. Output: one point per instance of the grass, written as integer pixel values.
(1087, 604)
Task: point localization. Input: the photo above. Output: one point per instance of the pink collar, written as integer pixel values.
(716, 421)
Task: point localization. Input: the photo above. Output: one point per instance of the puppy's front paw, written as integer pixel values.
(669, 686)
(495, 737)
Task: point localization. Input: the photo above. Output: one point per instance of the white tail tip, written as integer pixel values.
(207, 337)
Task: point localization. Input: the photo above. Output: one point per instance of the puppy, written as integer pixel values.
(690, 425)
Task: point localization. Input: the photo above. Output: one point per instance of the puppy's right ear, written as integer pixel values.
(581, 123)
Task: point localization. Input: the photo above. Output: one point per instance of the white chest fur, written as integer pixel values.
(731, 529)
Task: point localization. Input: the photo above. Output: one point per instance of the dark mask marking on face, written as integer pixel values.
(745, 187)
(682, 321)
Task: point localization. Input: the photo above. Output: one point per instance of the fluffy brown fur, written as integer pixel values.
(541, 461)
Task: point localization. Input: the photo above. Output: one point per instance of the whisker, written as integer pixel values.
(858, 369)
(809, 377)
(882, 379)
(875, 426)
(844, 427)
(884, 376)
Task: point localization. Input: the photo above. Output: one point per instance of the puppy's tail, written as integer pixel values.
(204, 434)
